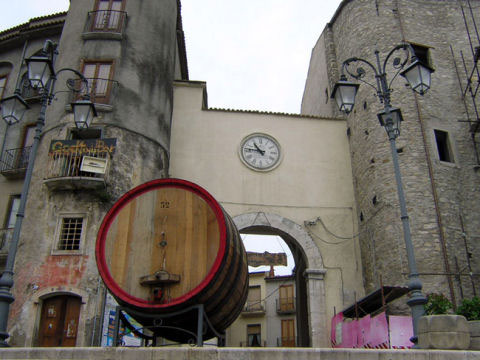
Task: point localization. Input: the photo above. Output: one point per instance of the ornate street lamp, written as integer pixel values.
(40, 71)
(13, 108)
(83, 113)
(42, 76)
(418, 77)
(344, 93)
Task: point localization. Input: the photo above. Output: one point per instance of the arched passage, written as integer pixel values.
(309, 273)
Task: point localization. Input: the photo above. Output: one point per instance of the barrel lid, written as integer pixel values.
(110, 217)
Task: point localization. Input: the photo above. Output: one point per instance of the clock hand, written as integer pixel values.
(259, 150)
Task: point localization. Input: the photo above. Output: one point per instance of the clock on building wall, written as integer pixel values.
(260, 152)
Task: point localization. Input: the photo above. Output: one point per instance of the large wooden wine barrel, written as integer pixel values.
(167, 245)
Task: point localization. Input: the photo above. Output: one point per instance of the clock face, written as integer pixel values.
(260, 152)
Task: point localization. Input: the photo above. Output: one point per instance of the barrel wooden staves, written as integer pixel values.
(167, 245)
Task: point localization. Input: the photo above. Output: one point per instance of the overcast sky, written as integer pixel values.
(254, 54)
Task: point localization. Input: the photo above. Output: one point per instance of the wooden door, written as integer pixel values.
(59, 321)
(288, 333)
(286, 298)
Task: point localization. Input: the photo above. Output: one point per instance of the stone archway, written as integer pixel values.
(309, 267)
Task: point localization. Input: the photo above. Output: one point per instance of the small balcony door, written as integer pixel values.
(286, 298)
(108, 15)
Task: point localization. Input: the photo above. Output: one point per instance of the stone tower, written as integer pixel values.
(130, 52)
(437, 146)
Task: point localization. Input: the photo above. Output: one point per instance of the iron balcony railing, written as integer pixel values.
(106, 21)
(5, 240)
(254, 306)
(15, 160)
(285, 305)
(101, 91)
(69, 164)
(287, 341)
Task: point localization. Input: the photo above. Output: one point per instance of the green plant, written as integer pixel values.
(437, 304)
(470, 308)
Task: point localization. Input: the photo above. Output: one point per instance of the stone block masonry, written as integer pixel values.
(186, 353)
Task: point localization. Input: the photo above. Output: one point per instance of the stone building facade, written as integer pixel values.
(117, 45)
(438, 144)
(268, 317)
(153, 122)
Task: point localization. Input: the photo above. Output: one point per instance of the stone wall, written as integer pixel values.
(232, 353)
(442, 197)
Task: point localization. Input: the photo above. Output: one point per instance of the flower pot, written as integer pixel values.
(474, 326)
(447, 332)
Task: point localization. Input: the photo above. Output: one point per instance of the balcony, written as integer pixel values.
(14, 162)
(105, 24)
(79, 164)
(254, 308)
(5, 240)
(285, 305)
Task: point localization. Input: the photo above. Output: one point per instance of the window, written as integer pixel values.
(254, 299)
(286, 298)
(254, 335)
(108, 15)
(443, 146)
(13, 206)
(70, 234)
(422, 53)
(3, 84)
(99, 75)
(85, 134)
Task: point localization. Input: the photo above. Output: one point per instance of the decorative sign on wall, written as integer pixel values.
(82, 147)
(94, 165)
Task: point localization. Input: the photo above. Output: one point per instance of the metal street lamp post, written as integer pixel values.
(417, 75)
(42, 76)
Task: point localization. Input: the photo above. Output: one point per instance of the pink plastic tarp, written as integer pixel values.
(401, 330)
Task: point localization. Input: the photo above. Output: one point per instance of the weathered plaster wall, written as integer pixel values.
(138, 117)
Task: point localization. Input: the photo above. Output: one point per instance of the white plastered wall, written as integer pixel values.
(313, 185)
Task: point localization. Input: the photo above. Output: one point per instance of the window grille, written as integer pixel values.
(70, 234)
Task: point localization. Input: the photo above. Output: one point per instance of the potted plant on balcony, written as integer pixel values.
(470, 308)
(440, 328)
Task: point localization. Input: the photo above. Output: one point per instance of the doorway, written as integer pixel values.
(264, 238)
(311, 322)
(59, 321)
